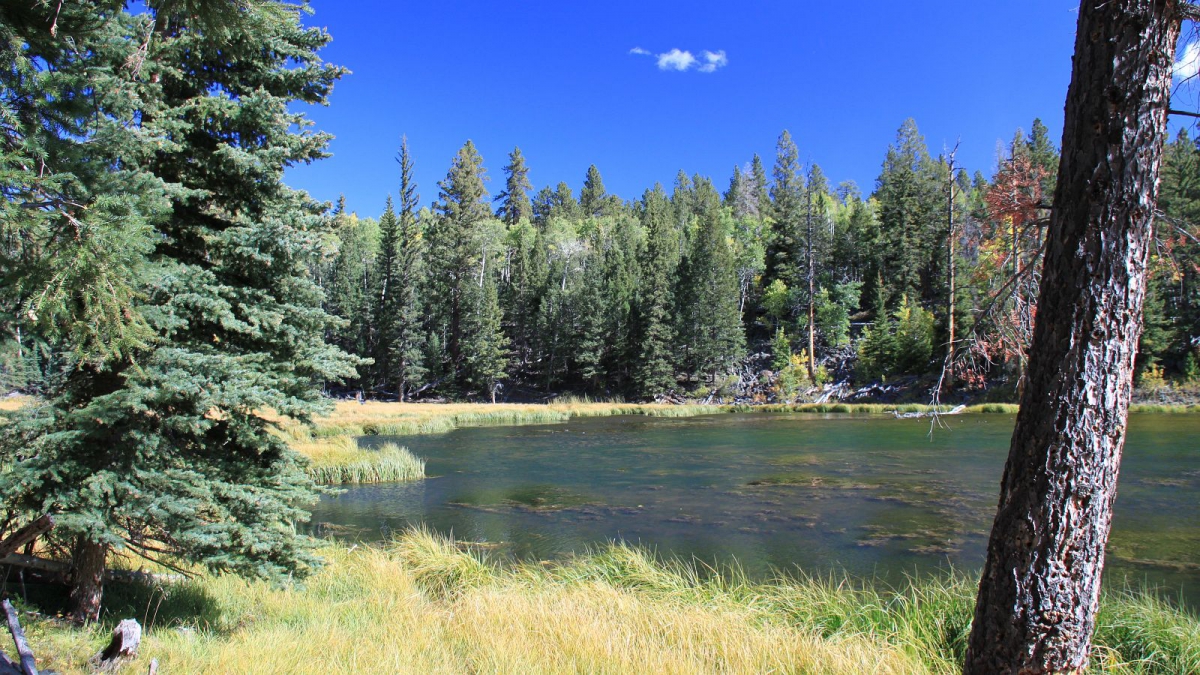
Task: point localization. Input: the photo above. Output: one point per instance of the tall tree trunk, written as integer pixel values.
(811, 264)
(1039, 589)
(87, 580)
(950, 299)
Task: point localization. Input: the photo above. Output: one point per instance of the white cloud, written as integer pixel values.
(676, 60)
(683, 60)
(1188, 64)
(713, 60)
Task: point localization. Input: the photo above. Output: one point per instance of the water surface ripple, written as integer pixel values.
(870, 495)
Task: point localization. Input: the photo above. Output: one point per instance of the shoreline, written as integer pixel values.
(332, 452)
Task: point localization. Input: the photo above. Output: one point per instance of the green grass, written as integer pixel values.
(425, 603)
(1163, 408)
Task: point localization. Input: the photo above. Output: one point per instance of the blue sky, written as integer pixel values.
(559, 80)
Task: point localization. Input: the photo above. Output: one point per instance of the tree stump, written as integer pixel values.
(127, 636)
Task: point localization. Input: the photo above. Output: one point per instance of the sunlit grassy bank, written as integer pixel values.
(375, 418)
(423, 605)
(337, 459)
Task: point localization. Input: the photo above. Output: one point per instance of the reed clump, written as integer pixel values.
(341, 461)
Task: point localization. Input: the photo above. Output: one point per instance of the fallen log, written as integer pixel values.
(123, 647)
(26, 534)
(8, 666)
(915, 415)
(28, 664)
(59, 567)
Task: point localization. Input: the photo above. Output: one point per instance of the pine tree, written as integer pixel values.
(785, 251)
(384, 292)
(162, 448)
(594, 201)
(464, 306)
(486, 352)
(620, 270)
(760, 188)
(684, 206)
(514, 200)
(399, 359)
(350, 284)
(592, 342)
(1040, 586)
(910, 215)
(543, 204)
(740, 197)
(709, 321)
(563, 204)
(816, 237)
(655, 371)
(1043, 155)
(522, 294)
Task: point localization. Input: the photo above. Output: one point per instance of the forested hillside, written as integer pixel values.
(766, 287)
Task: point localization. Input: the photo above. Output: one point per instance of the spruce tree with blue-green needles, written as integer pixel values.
(199, 323)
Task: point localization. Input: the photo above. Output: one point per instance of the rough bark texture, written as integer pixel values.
(1038, 594)
(122, 649)
(87, 580)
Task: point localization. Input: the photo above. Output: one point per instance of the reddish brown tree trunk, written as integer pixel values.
(1040, 584)
(87, 580)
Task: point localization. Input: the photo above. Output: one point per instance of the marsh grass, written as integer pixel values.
(342, 461)
(426, 604)
(1163, 408)
(377, 418)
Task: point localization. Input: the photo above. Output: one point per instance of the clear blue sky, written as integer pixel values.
(559, 80)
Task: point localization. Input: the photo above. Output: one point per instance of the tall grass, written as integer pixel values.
(341, 461)
(424, 604)
(376, 418)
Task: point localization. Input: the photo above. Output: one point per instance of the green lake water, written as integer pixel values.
(876, 497)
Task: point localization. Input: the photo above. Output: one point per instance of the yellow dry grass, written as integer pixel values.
(11, 403)
(370, 611)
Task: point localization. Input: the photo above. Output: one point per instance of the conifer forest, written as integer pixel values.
(772, 284)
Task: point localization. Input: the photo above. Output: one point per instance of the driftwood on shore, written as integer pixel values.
(956, 410)
(27, 664)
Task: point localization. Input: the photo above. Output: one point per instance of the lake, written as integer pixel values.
(876, 497)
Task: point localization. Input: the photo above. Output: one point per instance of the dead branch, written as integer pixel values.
(26, 534)
(28, 663)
